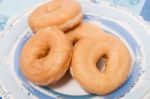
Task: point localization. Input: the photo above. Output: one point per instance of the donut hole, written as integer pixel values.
(75, 41)
(43, 53)
(101, 64)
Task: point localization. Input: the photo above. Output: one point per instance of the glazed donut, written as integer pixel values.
(87, 53)
(63, 14)
(46, 56)
(83, 30)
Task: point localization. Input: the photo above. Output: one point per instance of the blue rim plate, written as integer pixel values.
(129, 28)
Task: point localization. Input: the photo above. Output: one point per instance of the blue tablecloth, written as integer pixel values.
(139, 7)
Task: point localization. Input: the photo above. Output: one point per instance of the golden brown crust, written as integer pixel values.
(46, 56)
(83, 30)
(88, 51)
(63, 14)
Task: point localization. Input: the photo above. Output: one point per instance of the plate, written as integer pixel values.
(132, 30)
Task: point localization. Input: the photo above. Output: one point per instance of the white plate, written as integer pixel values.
(132, 31)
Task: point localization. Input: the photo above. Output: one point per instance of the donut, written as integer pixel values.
(83, 30)
(63, 14)
(87, 53)
(46, 56)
